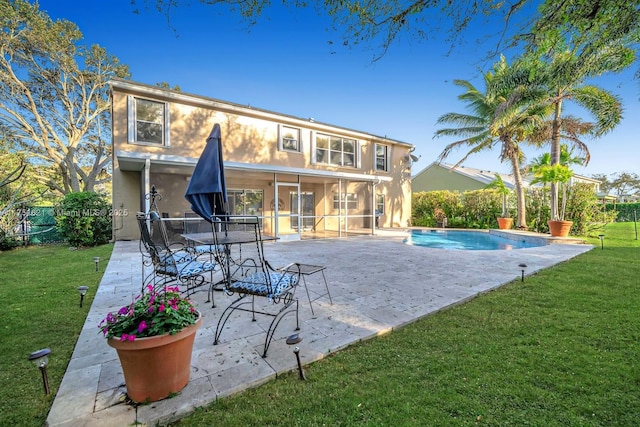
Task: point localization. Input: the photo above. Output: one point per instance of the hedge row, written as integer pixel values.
(481, 208)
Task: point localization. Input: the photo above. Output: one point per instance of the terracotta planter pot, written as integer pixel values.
(505, 223)
(559, 228)
(156, 367)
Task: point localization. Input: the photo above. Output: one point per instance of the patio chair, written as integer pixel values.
(252, 278)
(182, 266)
(160, 236)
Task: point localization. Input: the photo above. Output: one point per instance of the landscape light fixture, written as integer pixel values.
(96, 261)
(601, 237)
(295, 339)
(83, 292)
(523, 267)
(40, 359)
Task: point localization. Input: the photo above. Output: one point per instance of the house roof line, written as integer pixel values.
(139, 160)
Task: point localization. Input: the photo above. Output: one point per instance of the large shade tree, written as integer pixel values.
(620, 184)
(54, 97)
(504, 115)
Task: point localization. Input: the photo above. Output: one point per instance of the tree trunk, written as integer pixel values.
(555, 154)
(521, 215)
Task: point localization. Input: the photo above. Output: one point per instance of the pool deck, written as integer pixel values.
(377, 284)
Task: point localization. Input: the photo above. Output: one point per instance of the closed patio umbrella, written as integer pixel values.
(207, 189)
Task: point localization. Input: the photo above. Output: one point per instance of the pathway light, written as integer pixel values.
(41, 358)
(83, 292)
(523, 267)
(295, 339)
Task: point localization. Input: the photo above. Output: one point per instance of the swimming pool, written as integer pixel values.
(465, 240)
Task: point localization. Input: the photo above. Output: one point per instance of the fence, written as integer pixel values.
(37, 225)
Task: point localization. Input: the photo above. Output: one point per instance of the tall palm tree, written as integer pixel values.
(566, 75)
(505, 114)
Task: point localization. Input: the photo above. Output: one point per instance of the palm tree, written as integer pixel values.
(506, 113)
(571, 130)
(502, 189)
(558, 174)
(546, 173)
(566, 159)
(565, 77)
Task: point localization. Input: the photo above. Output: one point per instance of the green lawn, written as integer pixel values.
(560, 349)
(41, 308)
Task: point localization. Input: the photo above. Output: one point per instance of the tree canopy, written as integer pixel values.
(525, 23)
(54, 98)
(620, 184)
(505, 114)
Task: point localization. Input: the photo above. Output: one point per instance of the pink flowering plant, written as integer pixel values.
(150, 314)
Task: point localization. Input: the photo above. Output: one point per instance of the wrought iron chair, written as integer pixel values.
(160, 237)
(183, 267)
(253, 277)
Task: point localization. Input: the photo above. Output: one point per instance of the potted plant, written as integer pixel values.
(559, 174)
(504, 220)
(154, 338)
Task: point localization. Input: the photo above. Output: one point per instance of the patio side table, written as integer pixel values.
(307, 270)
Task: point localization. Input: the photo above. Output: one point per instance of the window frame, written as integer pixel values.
(282, 130)
(330, 152)
(385, 159)
(380, 204)
(132, 122)
(350, 202)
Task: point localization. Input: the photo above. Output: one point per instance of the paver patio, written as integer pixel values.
(377, 284)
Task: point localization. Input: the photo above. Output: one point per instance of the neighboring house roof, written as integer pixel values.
(443, 176)
(607, 196)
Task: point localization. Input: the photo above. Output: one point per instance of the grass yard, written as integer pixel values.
(41, 308)
(560, 349)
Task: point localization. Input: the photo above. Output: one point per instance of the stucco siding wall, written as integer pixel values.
(249, 137)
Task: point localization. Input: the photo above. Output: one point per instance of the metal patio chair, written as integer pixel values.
(251, 277)
(183, 266)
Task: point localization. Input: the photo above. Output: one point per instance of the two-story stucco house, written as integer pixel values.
(303, 178)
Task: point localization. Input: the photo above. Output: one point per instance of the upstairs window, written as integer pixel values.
(382, 157)
(335, 150)
(289, 139)
(148, 122)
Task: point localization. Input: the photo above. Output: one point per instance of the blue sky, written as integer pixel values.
(286, 64)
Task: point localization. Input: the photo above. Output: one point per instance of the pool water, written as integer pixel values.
(465, 240)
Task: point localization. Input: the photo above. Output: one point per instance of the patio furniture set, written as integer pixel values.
(230, 259)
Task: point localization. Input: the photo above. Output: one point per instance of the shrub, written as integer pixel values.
(537, 207)
(585, 211)
(480, 208)
(425, 204)
(7, 242)
(84, 219)
(626, 212)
